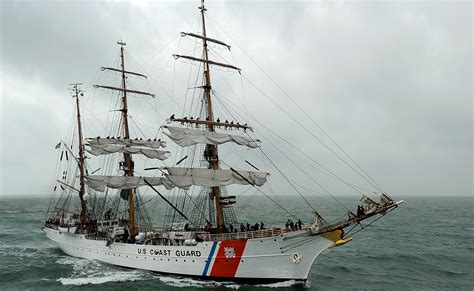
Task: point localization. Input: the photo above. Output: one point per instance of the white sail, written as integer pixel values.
(188, 136)
(99, 183)
(105, 149)
(154, 144)
(186, 177)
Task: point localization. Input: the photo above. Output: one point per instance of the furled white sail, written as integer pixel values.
(105, 149)
(99, 183)
(154, 144)
(189, 136)
(186, 177)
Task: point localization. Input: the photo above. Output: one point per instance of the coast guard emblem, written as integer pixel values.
(229, 253)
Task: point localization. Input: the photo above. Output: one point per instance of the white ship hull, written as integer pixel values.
(277, 258)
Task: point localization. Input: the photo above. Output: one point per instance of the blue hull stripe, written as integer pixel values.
(209, 259)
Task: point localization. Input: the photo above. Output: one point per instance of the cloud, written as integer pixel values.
(390, 81)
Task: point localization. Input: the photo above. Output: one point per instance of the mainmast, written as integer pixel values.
(128, 164)
(211, 150)
(77, 92)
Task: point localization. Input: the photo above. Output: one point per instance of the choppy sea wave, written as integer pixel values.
(425, 244)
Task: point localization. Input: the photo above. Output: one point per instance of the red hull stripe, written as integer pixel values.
(228, 258)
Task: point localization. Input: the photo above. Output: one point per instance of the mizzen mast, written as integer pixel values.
(127, 165)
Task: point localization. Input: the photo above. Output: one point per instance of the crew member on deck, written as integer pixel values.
(108, 214)
(256, 226)
(360, 210)
(207, 227)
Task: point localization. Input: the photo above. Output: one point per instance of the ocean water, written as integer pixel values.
(426, 244)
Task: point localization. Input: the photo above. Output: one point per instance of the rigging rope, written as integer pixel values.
(310, 133)
(333, 174)
(289, 182)
(364, 227)
(369, 180)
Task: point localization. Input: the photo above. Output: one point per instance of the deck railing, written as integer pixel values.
(240, 235)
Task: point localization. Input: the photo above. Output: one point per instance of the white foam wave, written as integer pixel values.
(67, 260)
(90, 272)
(87, 272)
(282, 284)
(183, 282)
(102, 278)
(24, 251)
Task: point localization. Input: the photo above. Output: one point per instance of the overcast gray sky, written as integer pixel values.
(390, 81)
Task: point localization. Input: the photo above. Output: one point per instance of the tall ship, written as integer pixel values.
(99, 211)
